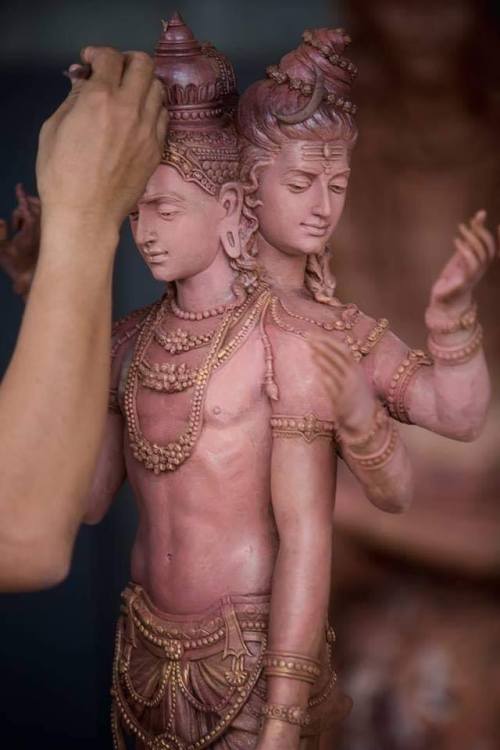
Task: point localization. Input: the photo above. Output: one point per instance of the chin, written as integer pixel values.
(311, 247)
(160, 273)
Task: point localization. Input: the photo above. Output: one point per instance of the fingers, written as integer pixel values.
(477, 224)
(21, 196)
(332, 382)
(137, 76)
(107, 65)
(474, 243)
(154, 108)
(468, 257)
(332, 349)
(154, 101)
(161, 127)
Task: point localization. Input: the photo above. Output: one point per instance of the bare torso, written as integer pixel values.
(206, 529)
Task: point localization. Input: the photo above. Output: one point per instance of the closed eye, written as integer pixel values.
(296, 187)
(338, 188)
(167, 212)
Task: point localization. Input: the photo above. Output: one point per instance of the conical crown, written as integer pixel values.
(199, 81)
(201, 96)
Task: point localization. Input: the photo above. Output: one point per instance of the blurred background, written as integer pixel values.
(415, 600)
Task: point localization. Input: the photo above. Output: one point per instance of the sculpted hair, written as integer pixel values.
(291, 87)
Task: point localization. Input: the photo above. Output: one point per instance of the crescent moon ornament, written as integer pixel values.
(309, 108)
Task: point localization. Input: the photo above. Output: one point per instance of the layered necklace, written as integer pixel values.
(171, 378)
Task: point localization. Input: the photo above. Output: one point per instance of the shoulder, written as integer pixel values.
(299, 387)
(123, 338)
(127, 328)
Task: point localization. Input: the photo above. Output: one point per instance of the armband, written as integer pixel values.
(396, 399)
(308, 427)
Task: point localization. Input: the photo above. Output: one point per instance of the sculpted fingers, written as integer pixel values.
(331, 380)
(467, 256)
(478, 226)
(474, 242)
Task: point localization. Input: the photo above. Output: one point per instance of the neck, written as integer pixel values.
(285, 271)
(209, 288)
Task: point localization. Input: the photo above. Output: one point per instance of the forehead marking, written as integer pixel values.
(322, 151)
(326, 152)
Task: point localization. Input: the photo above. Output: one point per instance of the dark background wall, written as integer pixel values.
(56, 646)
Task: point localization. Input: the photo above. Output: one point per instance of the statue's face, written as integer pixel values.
(303, 195)
(176, 226)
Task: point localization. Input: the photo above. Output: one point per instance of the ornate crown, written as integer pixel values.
(201, 98)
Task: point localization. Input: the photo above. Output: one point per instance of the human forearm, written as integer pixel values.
(55, 389)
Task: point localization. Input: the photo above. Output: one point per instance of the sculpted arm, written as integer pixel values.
(302, 486)
(448, 394)
(368, 440)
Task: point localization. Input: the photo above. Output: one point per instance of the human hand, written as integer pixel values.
(97, 151)
(19, 253)
(475, 250)
(352, 397)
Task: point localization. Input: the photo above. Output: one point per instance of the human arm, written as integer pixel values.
(95, 156)
(450, 393)
(369, 442)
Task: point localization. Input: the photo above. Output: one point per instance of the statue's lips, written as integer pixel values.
(158, 257)
(316, 230)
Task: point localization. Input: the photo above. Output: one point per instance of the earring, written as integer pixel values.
(230, 238)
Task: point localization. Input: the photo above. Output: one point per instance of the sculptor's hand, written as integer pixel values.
(351, 394)
(97, 151)
(475, 249)
(19, 253)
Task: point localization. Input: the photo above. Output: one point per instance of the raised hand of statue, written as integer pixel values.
(352, 395)
(19, 252)
(475, 250)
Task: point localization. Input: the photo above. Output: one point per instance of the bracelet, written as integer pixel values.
(457, 355)
(383, 455)
(291, 666)
(396, 397)
(466, 321)
(290, 714)
(380, 418)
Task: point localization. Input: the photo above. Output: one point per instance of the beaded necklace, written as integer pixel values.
(162, 458)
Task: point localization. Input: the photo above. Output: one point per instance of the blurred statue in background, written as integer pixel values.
(19, 250)
(417, 595)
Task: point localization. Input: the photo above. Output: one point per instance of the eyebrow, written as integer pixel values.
(343, 173)
(305, 173)
(155, 197)
(294, 171)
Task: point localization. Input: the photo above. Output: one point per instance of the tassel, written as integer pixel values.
(270, 386)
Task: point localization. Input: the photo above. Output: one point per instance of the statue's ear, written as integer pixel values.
(231, 200)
